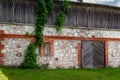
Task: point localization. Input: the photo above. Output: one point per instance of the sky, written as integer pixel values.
(106, 2)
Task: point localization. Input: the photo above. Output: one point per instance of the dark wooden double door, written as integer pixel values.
(93, 54)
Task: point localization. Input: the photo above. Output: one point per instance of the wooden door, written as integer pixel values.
(93, 54)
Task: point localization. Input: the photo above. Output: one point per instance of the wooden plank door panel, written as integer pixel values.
(87, 54)
(92, 54)
(98, 54)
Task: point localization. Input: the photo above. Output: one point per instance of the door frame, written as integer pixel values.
(80, 54)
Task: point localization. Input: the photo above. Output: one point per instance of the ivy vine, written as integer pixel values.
(65, 5)
(61, 16)
(60, 21)
(49, 5)
(44, 6)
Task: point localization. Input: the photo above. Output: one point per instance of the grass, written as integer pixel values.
(60, 74)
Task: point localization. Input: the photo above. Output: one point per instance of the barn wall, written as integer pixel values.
(14, 47)
(113, 46)
(13, 51)
(83, 15)
(78, 15)
(114, 53)
(65, 55)
(65, 51)
(18, 11)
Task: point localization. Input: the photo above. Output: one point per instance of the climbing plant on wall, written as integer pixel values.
(60, 21)
(49, 5)
(40, 22)
(61, 16)
(44, 6)
(30, 60)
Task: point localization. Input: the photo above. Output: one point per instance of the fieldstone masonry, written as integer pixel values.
(81, 32)
(65, 55)
(16, 29)
(113, 46)
(114, 53)
(14, 51)
(65, 51)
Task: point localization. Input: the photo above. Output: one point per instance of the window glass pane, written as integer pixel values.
(46, 49)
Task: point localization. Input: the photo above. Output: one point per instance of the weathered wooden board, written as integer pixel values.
(92, 54)
(98, 54)
(15, 11)
(78, 15)
(87, 55)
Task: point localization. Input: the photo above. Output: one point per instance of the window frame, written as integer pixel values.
(51, 47)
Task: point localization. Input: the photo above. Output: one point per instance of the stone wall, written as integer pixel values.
(65, 51)
(14, 51)
(14, 47)
(113, 46)
(16, 29)
(65, 55)
(81, 32)
(114, 53)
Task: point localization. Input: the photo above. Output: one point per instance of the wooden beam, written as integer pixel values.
(17, 36)
(106, 54)
(60, 37)
(32, 38)
(80, 38)
(1, 55)
(79, 56)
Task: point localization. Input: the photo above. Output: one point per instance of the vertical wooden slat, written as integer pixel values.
(41, 51)
(8, 11)
(79, 56)
(27, 12)
(51, 47)
(3, 15)
(106, 53)
(0, 11)
(16, 12)
(72, 16)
